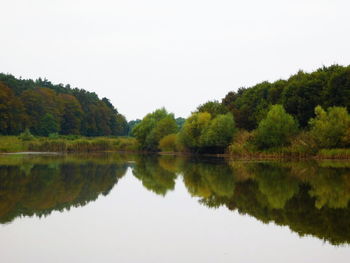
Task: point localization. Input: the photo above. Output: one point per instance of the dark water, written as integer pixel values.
(132, 208)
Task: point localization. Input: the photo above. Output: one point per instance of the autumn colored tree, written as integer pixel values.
(71, 114)
(12, 114)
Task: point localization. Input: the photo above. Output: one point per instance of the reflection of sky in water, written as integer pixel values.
(133, 224)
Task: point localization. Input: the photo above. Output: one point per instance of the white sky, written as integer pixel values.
(143, 55)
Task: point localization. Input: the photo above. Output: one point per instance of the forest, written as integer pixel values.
(45, 108)
(304, 115)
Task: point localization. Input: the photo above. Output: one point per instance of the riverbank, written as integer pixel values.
(71, 144)
(12, 144)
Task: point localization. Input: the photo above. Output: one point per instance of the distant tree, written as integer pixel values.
(213, 107)
(276, 129)
(153, 127)
(299, 95)
(12, 113)
(168, 143)
(202, 133)
(131, 125)
(71, 115)
(219, 133)
(75, 110)
(162, 128)
(330, 128)
(190, 135)
(47, 125)
(180, 122)
(121, 127)
(337, 92)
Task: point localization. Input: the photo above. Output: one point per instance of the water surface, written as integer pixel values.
(132, 208)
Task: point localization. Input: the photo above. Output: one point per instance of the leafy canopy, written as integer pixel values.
(330, 128)
(276, 129)
(153, 127)
(201, 132)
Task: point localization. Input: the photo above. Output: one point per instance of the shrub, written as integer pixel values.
(330, 128)
(242, 144)
(219, 133)
(26, 135)
(193, 129)
(168, 143)
(153, 127)
(276, 130)
(54, 136)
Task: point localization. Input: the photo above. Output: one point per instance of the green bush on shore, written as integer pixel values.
(62, 144)
(168, 143)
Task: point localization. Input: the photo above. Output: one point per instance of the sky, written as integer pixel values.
(144, 55)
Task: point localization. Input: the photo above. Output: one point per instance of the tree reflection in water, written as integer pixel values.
(312, 198)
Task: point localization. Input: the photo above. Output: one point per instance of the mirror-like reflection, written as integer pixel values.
(311, 198)
(37, 185)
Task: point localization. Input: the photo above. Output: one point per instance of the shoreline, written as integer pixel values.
(253, 157)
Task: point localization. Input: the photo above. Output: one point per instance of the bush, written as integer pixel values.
(190, 135)
(242, 144)
(276, 130)
(168, 143)
(153, 127)
(219, 133)
(202, 133)
(54, 136)
(26, 135)
(331, 128)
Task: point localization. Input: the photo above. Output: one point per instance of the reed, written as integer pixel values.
(333, 154)
(98, 144)
(12, 144)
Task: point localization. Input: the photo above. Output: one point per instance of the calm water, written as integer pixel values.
(129, 208)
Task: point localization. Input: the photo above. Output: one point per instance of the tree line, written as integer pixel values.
(305, 113)
(45, 108)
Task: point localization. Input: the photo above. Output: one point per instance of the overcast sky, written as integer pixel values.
(143, 55)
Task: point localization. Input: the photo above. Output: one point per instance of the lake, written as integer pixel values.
(142, 208)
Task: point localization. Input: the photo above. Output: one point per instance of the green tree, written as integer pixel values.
(329, 128)
(71, 115)
(276, 129)
(180, 122)
(219, 133)
(190, 135)
(168, 143)
(12, 113)
(121, 125)
(153, 127)
(213, 107)
(131, 125)
(47, 125)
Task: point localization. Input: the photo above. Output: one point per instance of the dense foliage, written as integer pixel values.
(276, 129)
(202, 133)
(299, 95)
(284, 117)
(46, 108)
(300, 116)
(153, 127)
(331, 128)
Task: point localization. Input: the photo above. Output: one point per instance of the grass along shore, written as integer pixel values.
(77, 144)
(12, 144)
